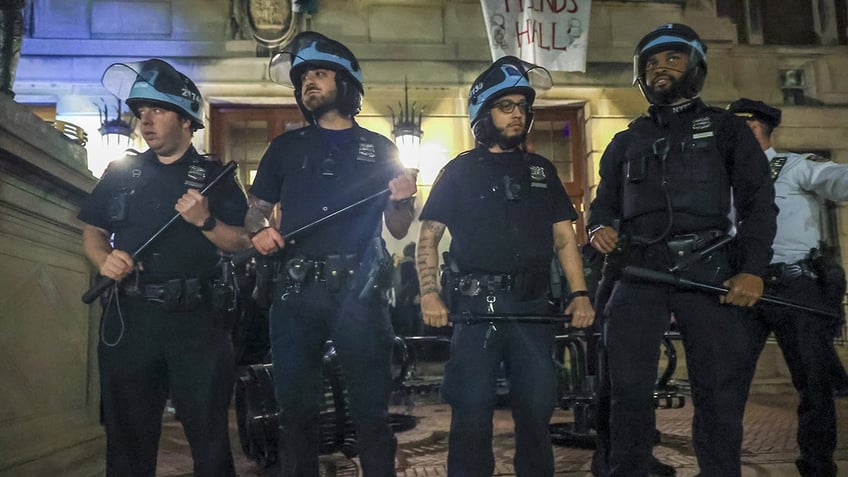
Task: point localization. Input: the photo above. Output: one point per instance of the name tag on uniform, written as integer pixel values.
(702, 135)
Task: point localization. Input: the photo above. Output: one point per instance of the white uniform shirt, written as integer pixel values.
(803, 184)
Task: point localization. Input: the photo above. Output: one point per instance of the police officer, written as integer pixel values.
(507, 211)
(160, 333)
(799, 273)
(667, 181)
(322, 292)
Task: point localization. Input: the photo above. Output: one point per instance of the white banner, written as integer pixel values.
(549, 33)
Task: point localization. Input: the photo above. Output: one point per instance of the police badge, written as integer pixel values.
(367, 152)
(537, 173)
(196, 176)
(537, 177)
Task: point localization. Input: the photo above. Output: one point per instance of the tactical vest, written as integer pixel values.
(680, 167)
(129, 172)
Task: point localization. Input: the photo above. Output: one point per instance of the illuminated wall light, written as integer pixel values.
(117, 135)
(407, 131)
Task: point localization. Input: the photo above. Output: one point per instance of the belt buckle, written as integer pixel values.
(791, 271)
(297, 268)
(469, 286)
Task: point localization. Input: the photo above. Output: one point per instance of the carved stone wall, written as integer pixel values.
(49, 418)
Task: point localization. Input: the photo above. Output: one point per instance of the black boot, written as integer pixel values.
(658, 468)
(600, 468)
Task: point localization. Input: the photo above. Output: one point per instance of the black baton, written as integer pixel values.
(251, 252)
(673, 280)
(105, 282)
(468, 318)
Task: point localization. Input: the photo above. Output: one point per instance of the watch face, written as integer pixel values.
(209, 224)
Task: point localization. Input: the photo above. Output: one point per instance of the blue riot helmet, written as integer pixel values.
(310, 49)
(507, 75)
(677, 37)
(155, 81)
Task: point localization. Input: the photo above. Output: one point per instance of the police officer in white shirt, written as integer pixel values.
(802, 273)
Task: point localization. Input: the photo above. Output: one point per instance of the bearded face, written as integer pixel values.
(318, 90)
(509, 117)
(663, 73)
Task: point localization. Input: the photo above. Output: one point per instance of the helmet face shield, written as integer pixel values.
(313, 50)
(155, 81)
(507, 75)
(280, 68)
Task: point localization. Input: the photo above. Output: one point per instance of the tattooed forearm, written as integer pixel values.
(258, 214)
(427, 259)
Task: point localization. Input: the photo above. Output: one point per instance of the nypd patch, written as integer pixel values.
(537, 173)
(701, 123)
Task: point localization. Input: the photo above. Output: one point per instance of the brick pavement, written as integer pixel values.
(769, 447)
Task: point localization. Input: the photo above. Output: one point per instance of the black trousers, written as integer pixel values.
(145, 356)
(806, 340)
(471, 373)
(721, 351)
(362, 334)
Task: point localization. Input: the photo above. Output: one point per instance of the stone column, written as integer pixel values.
(11, 37)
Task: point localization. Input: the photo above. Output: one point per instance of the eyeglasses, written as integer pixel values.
(507, 106)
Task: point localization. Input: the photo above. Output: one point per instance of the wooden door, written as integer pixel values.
(558, 134)
(242, 134)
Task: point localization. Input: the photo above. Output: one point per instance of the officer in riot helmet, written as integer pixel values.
(804, 271)
(500, 81)
(329, 281)
(315, 51)
(497, 270)
(171, 92)
(662, 201)
(670, 64)
(160, 333)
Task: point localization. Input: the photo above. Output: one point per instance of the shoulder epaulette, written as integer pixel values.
(130, 158)
(213, 158)
(638, 120)
(466, 154)
(815, 157)
(776, 165)
(716, 109)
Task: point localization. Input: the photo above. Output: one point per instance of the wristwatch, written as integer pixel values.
(209, 224)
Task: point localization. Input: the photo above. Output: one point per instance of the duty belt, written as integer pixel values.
(472, 284)
(157, 292)
(179, 294)
(301, 269)
(783, 272)
(527, 284)
(334, 271)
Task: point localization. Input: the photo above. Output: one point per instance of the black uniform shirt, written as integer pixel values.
(313, 172)
(500, 210)
(689, 158)
(182, 251)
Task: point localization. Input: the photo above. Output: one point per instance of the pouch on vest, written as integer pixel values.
(172, 295)
(192, 294)
(831, 277)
